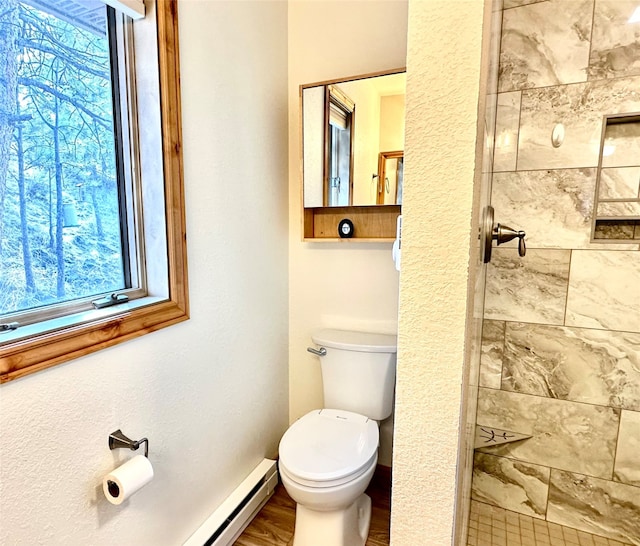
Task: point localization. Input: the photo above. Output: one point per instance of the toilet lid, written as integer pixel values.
(327, 445)
(356, 341)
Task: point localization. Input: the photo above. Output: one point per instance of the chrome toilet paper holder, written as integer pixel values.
(118, 440)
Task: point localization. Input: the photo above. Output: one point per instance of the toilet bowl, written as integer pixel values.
(327, 459)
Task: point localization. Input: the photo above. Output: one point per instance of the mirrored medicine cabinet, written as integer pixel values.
(353, 155)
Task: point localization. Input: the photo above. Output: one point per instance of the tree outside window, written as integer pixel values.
(60, 222)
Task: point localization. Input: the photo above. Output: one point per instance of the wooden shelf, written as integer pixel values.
(375, 223)
(347, 241)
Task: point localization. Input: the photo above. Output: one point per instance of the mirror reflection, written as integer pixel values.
(390, 171)
(353, 141)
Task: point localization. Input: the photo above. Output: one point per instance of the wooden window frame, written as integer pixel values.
(30, 355)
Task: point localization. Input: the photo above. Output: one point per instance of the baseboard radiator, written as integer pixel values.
(226, 524)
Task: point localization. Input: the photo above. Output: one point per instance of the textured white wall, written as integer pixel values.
(210, 393)
(440, 148)
(344, 285)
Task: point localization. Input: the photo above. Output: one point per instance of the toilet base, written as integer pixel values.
(347, 527)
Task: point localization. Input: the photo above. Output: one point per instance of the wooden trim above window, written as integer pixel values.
(36, 353)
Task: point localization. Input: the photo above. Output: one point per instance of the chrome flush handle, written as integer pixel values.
(320, 352)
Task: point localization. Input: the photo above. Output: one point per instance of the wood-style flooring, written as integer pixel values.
(274, 524)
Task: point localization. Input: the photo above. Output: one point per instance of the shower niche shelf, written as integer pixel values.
(617, 194)
(490, 436)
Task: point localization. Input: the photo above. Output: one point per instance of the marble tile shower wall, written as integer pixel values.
(561, 335)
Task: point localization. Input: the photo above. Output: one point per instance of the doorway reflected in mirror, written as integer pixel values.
(390, 173)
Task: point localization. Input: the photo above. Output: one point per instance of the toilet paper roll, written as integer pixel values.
(125, 480)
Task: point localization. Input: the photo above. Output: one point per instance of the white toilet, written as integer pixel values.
(328, 457)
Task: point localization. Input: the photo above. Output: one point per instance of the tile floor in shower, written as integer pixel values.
(492, 526)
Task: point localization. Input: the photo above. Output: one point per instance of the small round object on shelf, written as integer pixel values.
(345, 228)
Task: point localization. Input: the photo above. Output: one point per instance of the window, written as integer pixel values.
(339, 183)
(80, 214)
(63, 234)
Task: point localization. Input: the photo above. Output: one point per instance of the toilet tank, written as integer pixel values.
(358, 371)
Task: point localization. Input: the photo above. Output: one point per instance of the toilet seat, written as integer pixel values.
(326, 448)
